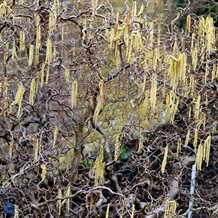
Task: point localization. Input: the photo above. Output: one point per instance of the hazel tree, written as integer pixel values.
(106, 113)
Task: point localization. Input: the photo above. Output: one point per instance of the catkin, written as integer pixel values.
(98, 167)
(170, 209)
(31, 54)
(188, 25)
(32, 91)
(49, 53)
(19, 98)
(55, 136)
(199, 157)
(22, 41)
(14, 53)
(36, 150)
(117, 148)
(74, 94)
(153, 92)
(164, 162)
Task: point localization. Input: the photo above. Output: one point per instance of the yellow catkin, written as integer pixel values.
(188, 25)
(201, 27)
(38, 44)
(98, 167)
(137, 42)
(183, 65)
(133, 211)
(111, 39)
(126, 38)
(70, 157)
(36, 18)
(197, 108)
(194, 54)
(22, 41)
(32, 91)
(42, 74)
(36, 150)
(67, 76)
(174, 110)
(141, 10)
(59, 203)
(144, 83)
(94, 3)
(52, 22)
(151, 38)
(170, 209)
(31, 54)
(140, 147)
(55, 136)
(155, 59)
(16, 211)
(68, 193)
(74, 93)
(37, 51)
(47, 75)
(117, 148)
(207, 145)
(158, 40)
(107, 211)
(179, 147)
(130, 49)
(175, 46)
(153, 92)
(19, 98)
(44, 172)
(192, 85)
(183, 44)
(14, 53)
(164, 162)
(49, 53)
(56, 7)
(134, 8)
(11, 150)
(62, 33)
(187, 138)
(97, 111)
(101, 93)
(199, 157)
(38, 35)
(210, 33)
(195, 138)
